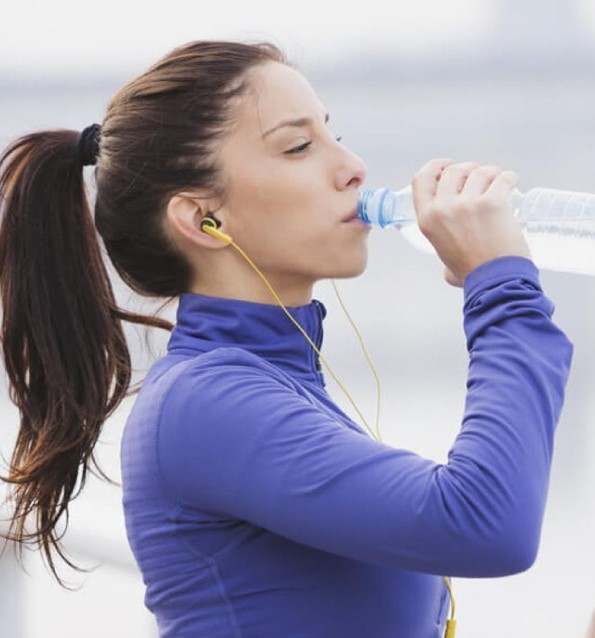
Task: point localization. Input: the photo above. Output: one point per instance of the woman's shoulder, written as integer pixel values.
(207, 375)
(220, 362)
(180, 391)
(206, 404)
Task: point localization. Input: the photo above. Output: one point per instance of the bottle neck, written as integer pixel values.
(383, 207)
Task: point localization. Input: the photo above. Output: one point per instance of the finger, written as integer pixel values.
(425, 180)
(502, 184)
(453, 178)
(480, 179)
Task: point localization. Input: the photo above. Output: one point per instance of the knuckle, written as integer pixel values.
(457, 170)
(489, 169)
(441, 161)
(432, 167)
(468, 165)
(509, 176)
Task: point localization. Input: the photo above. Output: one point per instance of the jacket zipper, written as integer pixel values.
(318, 343)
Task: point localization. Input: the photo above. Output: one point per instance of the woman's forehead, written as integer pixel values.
(277, 93)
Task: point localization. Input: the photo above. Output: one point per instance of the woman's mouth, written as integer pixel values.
(354, 219)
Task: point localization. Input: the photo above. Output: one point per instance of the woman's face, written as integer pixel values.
(291, 187)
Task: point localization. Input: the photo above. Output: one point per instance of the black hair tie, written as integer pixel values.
(87, 145)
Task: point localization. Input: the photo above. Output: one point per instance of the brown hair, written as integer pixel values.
(64, 348)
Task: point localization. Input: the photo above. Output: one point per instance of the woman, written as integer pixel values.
(254, 506)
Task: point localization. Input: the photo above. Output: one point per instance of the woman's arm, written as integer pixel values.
(238, 438)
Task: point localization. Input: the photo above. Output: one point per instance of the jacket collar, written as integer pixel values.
(205, 323)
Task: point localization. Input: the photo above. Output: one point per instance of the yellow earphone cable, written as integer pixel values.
(304, 333)
(368, 359)
(209, 225)
(451, 622)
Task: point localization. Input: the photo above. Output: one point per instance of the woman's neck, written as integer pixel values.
(247, 286)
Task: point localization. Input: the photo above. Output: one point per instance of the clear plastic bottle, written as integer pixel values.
(559, 225)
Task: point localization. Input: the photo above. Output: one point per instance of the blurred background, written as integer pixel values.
(499, 82)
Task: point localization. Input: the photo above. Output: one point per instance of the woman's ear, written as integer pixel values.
(185, 212)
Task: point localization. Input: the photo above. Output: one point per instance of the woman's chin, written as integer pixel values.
(355, 268)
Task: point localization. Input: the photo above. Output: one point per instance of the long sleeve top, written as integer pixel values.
(256, 508)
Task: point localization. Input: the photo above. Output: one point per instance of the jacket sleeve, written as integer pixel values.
(242, 441)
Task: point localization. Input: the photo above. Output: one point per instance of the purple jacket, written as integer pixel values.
(256, 508)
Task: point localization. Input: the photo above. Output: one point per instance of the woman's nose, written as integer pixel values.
(352, 171)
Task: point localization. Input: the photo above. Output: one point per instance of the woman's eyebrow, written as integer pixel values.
(302, 121)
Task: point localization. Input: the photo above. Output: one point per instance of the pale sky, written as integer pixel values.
(61, 36)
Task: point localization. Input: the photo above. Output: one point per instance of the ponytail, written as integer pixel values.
(64, 348)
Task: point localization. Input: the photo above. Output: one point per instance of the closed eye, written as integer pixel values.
(298, 149)
(302, 147)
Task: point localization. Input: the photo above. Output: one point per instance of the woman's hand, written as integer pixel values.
(463, 210)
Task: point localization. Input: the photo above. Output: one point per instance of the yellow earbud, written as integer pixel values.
(210, 225)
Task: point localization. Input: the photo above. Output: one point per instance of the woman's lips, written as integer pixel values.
(354, 219)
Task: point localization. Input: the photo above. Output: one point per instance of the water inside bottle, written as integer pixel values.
(562, 246)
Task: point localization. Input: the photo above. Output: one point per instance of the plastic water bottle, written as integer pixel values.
(559, 225)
